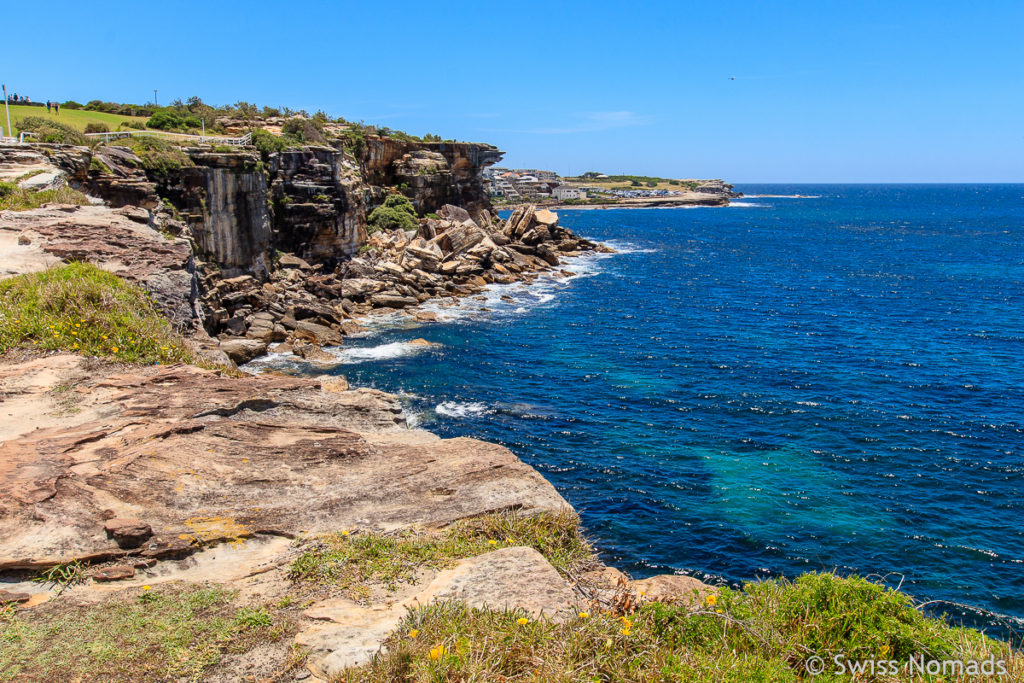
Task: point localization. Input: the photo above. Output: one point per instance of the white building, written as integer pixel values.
(563, 192)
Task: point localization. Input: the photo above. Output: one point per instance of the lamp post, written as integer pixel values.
(155, 103)
(7, 105)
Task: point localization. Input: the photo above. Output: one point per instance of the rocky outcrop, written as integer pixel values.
(123, 241)
(433, 173)
(317, 195)
(198, 457)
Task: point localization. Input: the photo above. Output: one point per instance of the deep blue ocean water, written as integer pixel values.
(785, 385)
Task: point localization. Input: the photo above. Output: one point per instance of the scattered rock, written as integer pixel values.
(116, 573)
(128, 533)
(8, 597)
(292, 261)
(673, 588)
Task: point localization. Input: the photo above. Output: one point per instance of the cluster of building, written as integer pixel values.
(529, 183)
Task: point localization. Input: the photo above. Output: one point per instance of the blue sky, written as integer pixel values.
(823, 91)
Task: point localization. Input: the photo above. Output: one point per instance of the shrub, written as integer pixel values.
(97, 128)
(304, 130)
(267, 143)
(79, 307)
(52, 131)
(168, 120)
(396, 212)
(71, 104)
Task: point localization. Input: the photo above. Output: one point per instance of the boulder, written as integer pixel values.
(128, 533)
(392, 300)
(357, 288)
(242, 351)
(319, 334)
(455, 214)
(313, 353)
(546, 217)
(291, 261)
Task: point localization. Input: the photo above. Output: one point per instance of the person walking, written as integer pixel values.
(56, 109)
(47, 106)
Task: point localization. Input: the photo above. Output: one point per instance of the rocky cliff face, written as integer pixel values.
(223, 198)
(431, 174)
(318, 207)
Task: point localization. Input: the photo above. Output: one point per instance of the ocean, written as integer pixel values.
(826, 383)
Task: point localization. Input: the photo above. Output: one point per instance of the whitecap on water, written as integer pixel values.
(457, 409)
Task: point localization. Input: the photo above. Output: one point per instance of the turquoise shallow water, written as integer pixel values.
(785, 385)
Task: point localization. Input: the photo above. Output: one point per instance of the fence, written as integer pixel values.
(181, 137)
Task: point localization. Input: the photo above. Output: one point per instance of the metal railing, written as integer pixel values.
(182, 137)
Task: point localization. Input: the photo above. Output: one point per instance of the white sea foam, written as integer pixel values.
(373, 353)
(457, 409)
(744, 205)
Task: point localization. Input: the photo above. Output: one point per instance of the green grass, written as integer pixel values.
(78, 307)
(768, 632)
(76, 118)
(15, 198)
(351, 561)
(166, 634)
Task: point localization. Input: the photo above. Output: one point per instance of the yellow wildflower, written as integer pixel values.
(437, 652)
(493, 542)
(146, 588)
(114, 349)
(711, 599)
(584, 615)
(522, 621)
(345, 532)
(164, 348)
(625, 631)
(413, 633)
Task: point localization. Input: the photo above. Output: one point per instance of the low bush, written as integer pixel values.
(14, 198)
(78, 307)
(46, 130)
(97, 128)
(396, 212)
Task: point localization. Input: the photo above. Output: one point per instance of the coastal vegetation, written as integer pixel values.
(15, 198)
(160, 157)
(770, 631)
(193, 116)
(396, 212)
(169, 632)
(80, 308)
(50, 130)
(351, 562)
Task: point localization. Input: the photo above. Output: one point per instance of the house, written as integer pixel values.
(563, 192)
